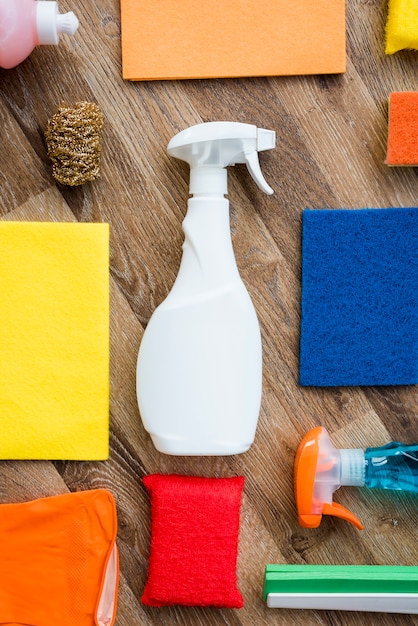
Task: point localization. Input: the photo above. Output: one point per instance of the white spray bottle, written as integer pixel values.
(200, 363)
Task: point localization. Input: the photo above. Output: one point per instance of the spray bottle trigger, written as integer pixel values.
(253, 166)
(340, 511)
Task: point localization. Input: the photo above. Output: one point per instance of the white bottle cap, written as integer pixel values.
(50, 23)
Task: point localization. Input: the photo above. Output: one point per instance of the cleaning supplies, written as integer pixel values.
(26, 24)
(376, 588)
(402, 142)
(401, 26)
(59, 560)
(54, 341)
(359, 297)
(73, 139)
(200, 363)
(195, 525)
(253, 38)
(320, 470)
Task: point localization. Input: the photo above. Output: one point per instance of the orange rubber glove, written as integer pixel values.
(59, 561)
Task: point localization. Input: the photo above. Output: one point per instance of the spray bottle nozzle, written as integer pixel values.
(211, 147)
(320, 470)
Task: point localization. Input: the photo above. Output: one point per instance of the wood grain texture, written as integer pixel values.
(331, 143)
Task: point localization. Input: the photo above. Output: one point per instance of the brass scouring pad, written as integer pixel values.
(73, 140)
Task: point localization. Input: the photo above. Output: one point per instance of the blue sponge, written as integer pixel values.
(359, 317)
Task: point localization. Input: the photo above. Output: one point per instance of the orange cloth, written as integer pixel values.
(402, 146)
(58, 561)
(162, 39)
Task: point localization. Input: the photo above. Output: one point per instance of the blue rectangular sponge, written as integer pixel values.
(359, 309)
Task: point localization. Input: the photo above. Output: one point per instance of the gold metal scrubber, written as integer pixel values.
(73, 139)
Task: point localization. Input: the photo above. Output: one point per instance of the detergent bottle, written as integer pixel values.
(25, 24)
(320, 469)
(199, 365)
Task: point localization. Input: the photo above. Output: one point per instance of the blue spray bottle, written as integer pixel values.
(320, 469)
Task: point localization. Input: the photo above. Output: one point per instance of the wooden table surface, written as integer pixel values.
(331, 143)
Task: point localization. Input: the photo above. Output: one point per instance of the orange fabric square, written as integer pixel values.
(162, 39)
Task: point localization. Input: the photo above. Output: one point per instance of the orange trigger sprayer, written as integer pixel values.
(317, 476)
(320, 469)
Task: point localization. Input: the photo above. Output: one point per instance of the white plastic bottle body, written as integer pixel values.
(199, 372)
(18, 36)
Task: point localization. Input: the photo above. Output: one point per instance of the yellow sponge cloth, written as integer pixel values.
(402, 26)
(54, 340)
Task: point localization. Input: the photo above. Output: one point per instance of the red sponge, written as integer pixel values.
(194, 541)
(403, 129)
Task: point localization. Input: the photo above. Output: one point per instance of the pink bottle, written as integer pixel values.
(25, 24)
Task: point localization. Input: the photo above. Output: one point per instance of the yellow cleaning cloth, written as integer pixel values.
(54, 341)
(402, 26)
